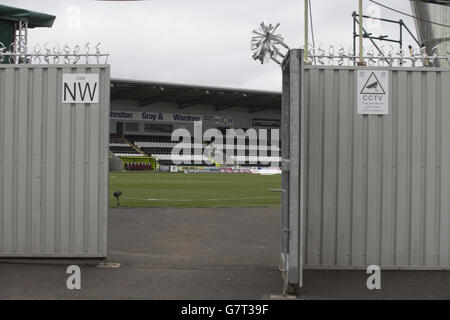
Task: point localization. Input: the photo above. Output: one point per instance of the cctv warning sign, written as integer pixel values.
(373, 92)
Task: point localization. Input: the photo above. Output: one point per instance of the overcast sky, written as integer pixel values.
(203, 42)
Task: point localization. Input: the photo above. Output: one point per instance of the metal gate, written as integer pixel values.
(362, 189)
(54, 160)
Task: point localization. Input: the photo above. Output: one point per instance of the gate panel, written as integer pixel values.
(53, 164)
(373, 189)
(376, 182)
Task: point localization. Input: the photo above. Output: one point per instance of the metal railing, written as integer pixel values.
(56, 54)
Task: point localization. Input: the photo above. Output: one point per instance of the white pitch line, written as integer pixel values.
(190, 200)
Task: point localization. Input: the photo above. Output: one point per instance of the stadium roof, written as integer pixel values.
(189, 95)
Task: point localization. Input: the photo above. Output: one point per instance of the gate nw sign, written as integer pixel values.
(373, 92)
(80, 88)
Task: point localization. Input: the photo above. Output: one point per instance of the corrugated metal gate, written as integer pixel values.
(53, 164)
(374, 189)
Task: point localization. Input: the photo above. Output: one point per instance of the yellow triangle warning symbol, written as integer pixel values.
(373, 86)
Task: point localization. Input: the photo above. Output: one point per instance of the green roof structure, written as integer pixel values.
(34, 19)
(11, 18)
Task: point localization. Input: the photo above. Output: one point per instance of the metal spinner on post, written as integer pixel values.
(267, 45)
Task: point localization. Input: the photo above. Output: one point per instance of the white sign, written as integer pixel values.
(171, 117)
(373, 92)
(80, 88)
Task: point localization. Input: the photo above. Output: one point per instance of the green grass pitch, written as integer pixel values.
(194, 190)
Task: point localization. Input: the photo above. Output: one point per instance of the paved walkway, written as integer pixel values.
(221, 253)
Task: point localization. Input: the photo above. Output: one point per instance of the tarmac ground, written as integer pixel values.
(203, 253)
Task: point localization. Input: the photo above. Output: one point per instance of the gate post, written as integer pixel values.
(291, 218)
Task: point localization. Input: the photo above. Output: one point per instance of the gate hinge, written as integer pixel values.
(285, 164)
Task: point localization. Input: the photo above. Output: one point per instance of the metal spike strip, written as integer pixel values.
(54, 54)
(266, 46)
(387, 57)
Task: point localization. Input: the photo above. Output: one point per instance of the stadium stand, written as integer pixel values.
(161, 147)
(121, 148)
(146, 113)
